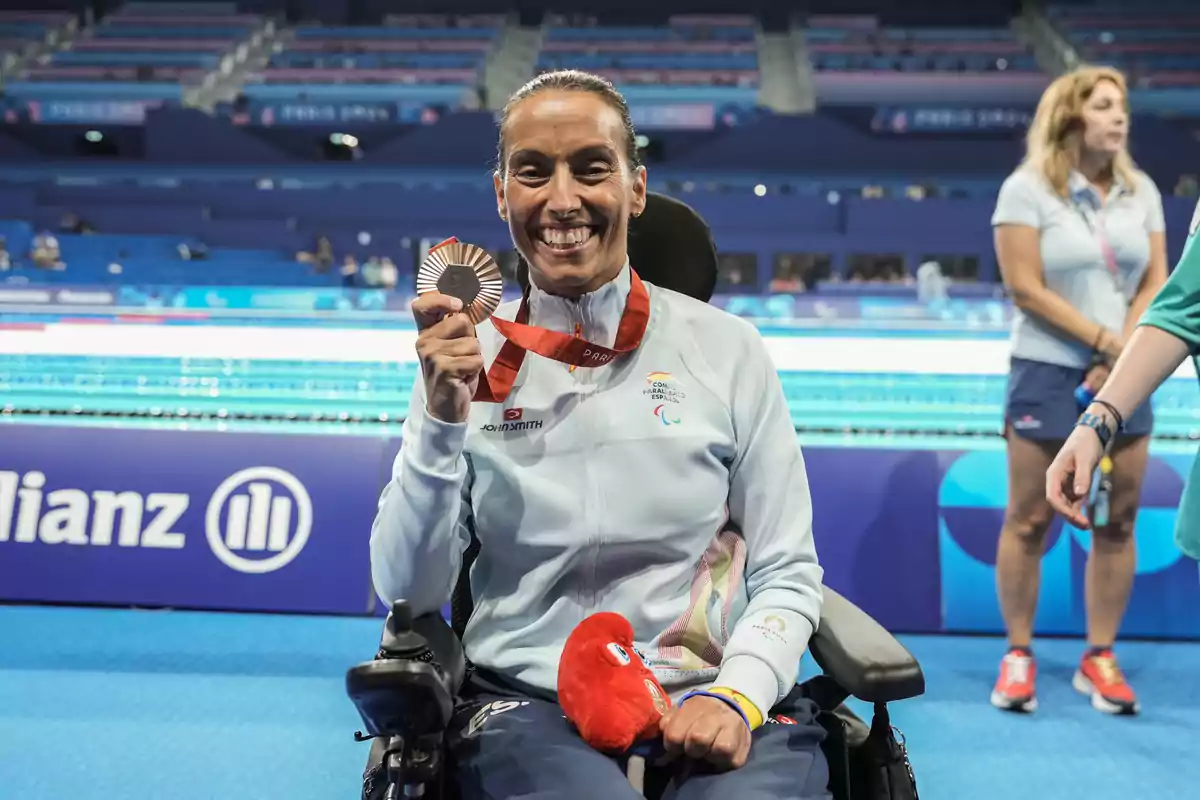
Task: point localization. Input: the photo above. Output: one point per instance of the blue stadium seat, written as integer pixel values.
(1156, 47)
(402, 64)
(356, 92)
(22, 30)
(135, 55)
(102, 58)
(381, 32)
(79, 90)
(709, 61)
(863, 44)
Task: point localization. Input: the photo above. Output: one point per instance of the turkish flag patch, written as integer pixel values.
(513, 414)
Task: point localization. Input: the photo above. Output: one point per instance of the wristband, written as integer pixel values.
(1098, 425)
(753, 715)
(724, 698)
(1112, 410)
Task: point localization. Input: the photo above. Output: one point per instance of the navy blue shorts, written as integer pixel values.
(1040, 403)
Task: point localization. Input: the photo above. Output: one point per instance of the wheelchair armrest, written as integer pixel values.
(861, 656)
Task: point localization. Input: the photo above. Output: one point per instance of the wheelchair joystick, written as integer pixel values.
(400, 640)
(405, 696)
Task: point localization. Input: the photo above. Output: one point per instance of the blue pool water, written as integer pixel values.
(299, 392)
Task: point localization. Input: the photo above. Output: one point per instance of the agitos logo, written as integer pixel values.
(665, 390)
(660, 412)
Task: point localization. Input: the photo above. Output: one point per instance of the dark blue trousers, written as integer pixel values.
(505, 746)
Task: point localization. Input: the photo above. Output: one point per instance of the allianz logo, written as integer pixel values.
(251, 526)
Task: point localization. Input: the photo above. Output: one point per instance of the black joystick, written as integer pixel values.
(400, 640)
(406, 696)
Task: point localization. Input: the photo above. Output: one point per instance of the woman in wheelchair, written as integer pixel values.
(658, 476)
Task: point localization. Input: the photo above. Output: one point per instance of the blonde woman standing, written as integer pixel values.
(1079, 237)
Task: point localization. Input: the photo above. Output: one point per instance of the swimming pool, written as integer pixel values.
(377, 393)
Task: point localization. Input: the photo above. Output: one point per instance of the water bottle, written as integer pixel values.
(1084, 395)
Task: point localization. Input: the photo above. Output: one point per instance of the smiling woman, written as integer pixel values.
(610, 446)
(568, 179)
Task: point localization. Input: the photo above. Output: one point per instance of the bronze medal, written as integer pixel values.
(464, 271)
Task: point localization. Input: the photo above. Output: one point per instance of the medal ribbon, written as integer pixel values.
(520, 338)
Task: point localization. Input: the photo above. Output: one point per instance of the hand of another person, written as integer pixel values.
(1096, 376)
(706, 728)
(1110, 344)
(449, 353)
(1069, 479)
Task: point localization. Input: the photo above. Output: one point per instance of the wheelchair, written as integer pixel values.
(406, 694)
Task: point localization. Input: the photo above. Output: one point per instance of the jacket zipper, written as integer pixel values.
(593, 543)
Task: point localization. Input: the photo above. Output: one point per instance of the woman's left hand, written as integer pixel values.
(707, 728)
(1069, 479)
(1096, 377)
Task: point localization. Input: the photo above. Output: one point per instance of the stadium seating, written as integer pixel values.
(412, 62)
(111, 258)
(692, 59)
(23, 31)
(414, 65)
(861, 43)
(861, 59)
(254, 233)
(143, 52)
(1157, 47)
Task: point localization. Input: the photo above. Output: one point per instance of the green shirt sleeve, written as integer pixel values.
(1176, 307)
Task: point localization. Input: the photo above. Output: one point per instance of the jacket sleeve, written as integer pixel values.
(424, 520)
(769, 499)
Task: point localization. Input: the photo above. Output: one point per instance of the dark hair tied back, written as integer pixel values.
(572, 80)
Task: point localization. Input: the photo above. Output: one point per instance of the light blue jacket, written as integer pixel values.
(667, 486)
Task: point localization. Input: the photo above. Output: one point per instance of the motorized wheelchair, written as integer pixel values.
(406, 694)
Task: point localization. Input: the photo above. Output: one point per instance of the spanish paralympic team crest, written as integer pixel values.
(666, 394)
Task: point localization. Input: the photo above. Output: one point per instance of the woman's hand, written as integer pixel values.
(449, 354)
(1069, 479)
(1110, 344)
(707, 729)
(1096, 376)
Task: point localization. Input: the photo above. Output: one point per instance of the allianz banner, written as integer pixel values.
(282, 522)
(187, 519)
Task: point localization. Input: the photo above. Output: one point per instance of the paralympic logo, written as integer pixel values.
(660, 411)
(665, 390)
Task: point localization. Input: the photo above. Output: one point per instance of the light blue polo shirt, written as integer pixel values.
(1072, 258)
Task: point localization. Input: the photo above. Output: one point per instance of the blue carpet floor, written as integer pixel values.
(146, 705)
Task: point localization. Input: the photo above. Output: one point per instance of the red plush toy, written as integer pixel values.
(605, 688)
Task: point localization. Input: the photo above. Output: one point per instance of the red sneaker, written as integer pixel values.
(1014, 690)
(1100, 678)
